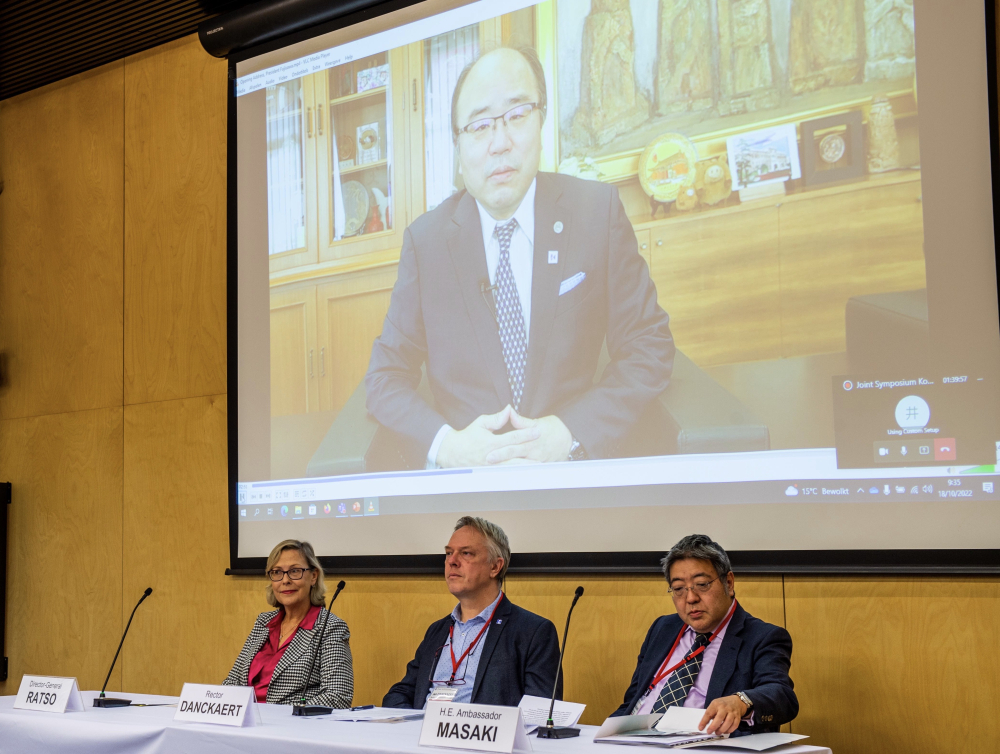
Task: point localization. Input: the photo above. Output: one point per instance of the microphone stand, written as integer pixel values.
(310, 710)
(550, 730)
(103, 701)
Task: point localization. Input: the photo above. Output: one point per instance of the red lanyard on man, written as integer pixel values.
(664, 673)
(451, 641)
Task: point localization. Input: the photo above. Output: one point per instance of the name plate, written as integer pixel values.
(219, 705)
(48, 694)
(475, 727)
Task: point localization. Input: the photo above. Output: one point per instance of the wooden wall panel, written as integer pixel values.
(175, 223)
(849, 243)
(911, 661)
(61, 246)
(176, 535)
(350, 315)
(718, 278)
(64, 578)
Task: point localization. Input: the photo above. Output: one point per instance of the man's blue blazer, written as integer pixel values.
(754, 658)
(520, 656)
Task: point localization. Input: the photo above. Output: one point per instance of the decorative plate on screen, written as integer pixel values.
(832, 148)
(345, 147)
(356, 205)
(667, 166)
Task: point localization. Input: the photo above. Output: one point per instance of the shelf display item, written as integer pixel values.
(833, 149)
(766, 156)
(368, 143)
(667, 166)
(713, 180)
(356, 206)
(373, 78)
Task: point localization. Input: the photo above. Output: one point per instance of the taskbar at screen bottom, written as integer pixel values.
(962, 486)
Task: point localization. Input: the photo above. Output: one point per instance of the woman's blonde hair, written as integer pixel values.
(317, 594)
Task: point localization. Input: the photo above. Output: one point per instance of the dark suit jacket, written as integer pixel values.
(439, 316)
(520, 656)
(754, 658)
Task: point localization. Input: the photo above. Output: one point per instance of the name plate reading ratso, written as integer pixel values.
(219, 705)
(48, 694)
(474, 727)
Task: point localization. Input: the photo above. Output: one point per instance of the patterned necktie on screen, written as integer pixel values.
(676, 689)
(510, 319)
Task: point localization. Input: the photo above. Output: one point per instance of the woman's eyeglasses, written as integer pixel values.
(276, 574)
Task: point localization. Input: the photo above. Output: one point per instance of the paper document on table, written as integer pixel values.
(377, 715)
(535, 712)
(756, 742)
(679, 728)
(679, 720)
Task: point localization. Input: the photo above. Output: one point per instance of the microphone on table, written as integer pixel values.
(309, 710)
(549, 730)
(103, 701)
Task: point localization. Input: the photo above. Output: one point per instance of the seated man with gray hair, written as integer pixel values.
(712, 654)
(488, 650)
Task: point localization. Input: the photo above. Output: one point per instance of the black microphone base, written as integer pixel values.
(546, 732)
(107, 701)
(310, 710)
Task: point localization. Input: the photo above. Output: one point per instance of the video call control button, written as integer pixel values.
(945, 449)
(901, 451)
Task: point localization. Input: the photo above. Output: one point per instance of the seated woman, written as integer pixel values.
(276, 657)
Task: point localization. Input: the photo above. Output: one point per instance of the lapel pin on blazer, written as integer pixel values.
(558, 227)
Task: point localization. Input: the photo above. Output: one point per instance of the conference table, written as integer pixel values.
(152, 729)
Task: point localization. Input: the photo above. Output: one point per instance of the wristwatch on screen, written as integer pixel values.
(576, 451)
(746, 700)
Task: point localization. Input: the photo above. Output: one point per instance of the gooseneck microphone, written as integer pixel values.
(309, 710)
(551, 731)
(103, 701)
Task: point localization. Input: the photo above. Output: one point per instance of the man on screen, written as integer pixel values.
(488, 650)
(712, 654)
(507, 292)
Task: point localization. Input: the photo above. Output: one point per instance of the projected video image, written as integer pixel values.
(568, 232)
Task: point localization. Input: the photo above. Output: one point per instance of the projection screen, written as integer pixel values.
(610, 272)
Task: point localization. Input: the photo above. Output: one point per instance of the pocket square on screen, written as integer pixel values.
(570, 283)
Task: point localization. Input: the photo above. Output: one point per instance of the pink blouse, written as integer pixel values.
(267, 658)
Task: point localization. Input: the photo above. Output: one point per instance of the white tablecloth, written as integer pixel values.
(152, 730)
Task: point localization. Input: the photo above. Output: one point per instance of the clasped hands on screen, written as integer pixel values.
(530, 441)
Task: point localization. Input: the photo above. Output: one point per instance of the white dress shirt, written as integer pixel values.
(522, 246)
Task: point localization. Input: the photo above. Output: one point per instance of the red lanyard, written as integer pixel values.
(664, 673)
(451, 641)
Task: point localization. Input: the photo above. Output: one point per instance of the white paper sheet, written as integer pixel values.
(535, 712)
(756, 742)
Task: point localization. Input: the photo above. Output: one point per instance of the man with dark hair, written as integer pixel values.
(712, 654)
(508, 291)
(488, 651)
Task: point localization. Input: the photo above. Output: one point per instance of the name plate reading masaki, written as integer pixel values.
(220, 705)
(49, 694)
(475, 727)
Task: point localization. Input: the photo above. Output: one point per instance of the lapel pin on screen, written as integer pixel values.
(550, 730)
(308, 710)
(103, 701)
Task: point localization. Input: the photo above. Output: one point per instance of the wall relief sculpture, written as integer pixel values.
(747, 65)
(889, 40)
(825, 47)
(610, 103)
(684, 72)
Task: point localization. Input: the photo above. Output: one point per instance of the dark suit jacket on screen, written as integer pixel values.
(439, 314)
(754, 658)
(520, 656)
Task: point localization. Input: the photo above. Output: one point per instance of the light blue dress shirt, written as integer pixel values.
(464, 634)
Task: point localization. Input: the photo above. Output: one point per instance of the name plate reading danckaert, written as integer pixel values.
(48, 694)
(220, 705)
(475, 727)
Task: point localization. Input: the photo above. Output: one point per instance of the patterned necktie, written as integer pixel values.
(676, 689)
(510, 319)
